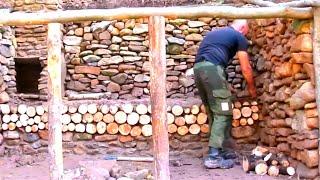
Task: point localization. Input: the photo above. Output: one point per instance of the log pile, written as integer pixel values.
(246, 113)
(264, 163)
(286, 86)
(124, 119)
(111, 56)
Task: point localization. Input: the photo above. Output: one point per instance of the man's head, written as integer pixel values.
(241, 25)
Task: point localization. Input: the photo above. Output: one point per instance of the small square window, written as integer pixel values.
(27, 75)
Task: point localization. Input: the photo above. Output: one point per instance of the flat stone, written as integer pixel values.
(5, 51)
(125, 32)
(137, 92)
(178, 22)
(174, 49)
(302, 43)
(91, 58)
(141, 174)
(105, 137)
(87, 70)
(116, 39)
(11, 135)
(141, 78)
(72, 40)
(102, 52)
(120, 78)
(181, 67)
(86, 53)
(67, 136)
(133, 38)
(109, 72)
(113, 87)
(4, 97)
(4, 60)
(100, 25)
(194, 24)
(194, 37)
(36, 145)
(76, 85)
(131, 58)
(82, 136)
(104, 35)
(169, 28)
(186, 82)
(128, 53)
(114, 47)
(43, 134)
(174, 40)
(137, 48)
(30, 137)
(140, 28)
(193, 50)
(111, 60)
(97, 46)
(72, 49)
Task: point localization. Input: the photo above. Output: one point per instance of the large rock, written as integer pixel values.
(304, 172)
(186, 82)
(194, 37)
(305, 94)
(100, 25)
(72, 49)
(120, 78)
(30, 137)
(113, 87)
(76, 85)
(11, 135)
(141, 174)
(5, 51)
(4, 97)
(174, 49)
(111, 60)
(72, 40)
(174, 40)
(137, 48)
(141, 78)
(140, 28)
(242, 131)
(91, 58)
(194, 24)
(302, 43)
(87, 70)
(137, 92)
(131, 58)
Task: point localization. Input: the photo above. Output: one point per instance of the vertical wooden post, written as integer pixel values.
(316, 62)
(55, 100)
(157, 50)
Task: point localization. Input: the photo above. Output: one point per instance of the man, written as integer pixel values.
(215, 52)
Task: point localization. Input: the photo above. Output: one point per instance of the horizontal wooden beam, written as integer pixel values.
(20, 18)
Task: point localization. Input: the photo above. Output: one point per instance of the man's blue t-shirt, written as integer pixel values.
(219, 46)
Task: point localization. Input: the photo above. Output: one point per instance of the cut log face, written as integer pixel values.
(92, 108)
(180, 121)
(11, 126)
(80, 128)
(170, 118)
(72, 109)
(177, 110)
(127, 108)
(98, 117)
(261, 168)
(246, 111)
(202, 118)
(237, 104)
(71, 127)
(108, 118)
(172, 128)
(236, 113)
(91, 128)
(141, 109)
(243, 121)
(31, 111)
(183, 130)
(28, 129)
(133, 118)
(120, 117)
(187, 110)
(195, 109)
(147, 130)
(87, 118)
(65, 119)
(203, 108)
(144, 119)
(76, 118)
(41, 126)
(40, 110)
(194, 129)
(204, 128)
(112, 128)
(101, 127)
(104, 109)
(37, 119)
(273, 171)
(44, 117)
(22, 109)
(235, 123)
(113, 109)
(136, 131)
(83, 108)
(190, 119)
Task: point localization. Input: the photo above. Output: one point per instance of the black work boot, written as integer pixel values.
(228, 154)
(216, 160)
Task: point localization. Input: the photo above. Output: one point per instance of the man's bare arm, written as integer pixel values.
(247, 72)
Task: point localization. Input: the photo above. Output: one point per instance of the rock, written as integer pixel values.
(86, 53)
(67, 136)
(181, 67)
(133, 38)
(36, 145)
(174, 40)
(76, 85)
(80, 149)
(174, 49)
(305, 94)
(128, 53)
(100, 25)
(102, 52)
(113, 87)
(194, 37)
(4, 60)
(141, 78)
(120, 78)
(5, 51)
(115, 171)
(186, 82)
(11, 135)
(193, 50)
(178, 22)
(109, 72)
(142, 146)
(4, 97)
(105, 137)
(82, 136)
(125, 32)
(140, 28)
(91, 58)
(304, 172)
(302, 43)
(111, 60)
(137, 92)
(30, 137)
(194, 24)
(131, 58)
(125, 178)
(137, 48)
(104, 35)
(72, 49)
(87, 70)
(137, 175)
(116, 40)
(302, 57)
(72, 40)
(309, 69)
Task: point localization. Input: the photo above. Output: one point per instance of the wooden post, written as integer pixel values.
(55, 100)
(158, 97)
(316, 60)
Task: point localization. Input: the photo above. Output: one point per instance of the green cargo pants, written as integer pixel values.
(213, 88)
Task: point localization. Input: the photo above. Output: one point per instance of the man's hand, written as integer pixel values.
(247, 72)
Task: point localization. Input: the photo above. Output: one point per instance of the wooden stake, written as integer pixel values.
(316, 59)
(157, 55)
(55, 88)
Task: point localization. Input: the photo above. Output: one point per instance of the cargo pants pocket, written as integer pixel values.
(222, 102)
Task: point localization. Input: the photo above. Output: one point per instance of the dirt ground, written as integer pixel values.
(36, 167)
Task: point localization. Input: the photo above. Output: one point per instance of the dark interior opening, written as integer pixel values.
(27, 75)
